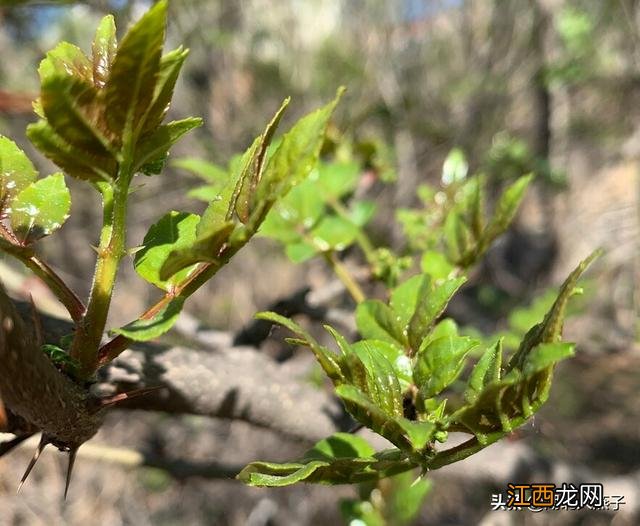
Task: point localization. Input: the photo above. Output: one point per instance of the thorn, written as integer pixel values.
(34, 459)
(72, 461)
(121, 397)
(95, 249)
(37, 322)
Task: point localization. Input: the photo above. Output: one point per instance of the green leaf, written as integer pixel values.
(377, 321)
(245, 199)
(131, 86)
(325, 357)
(549, 330)
(361, 212)
(432, 300)
(300, 252)
(335, 180)
(170, 66)
(546, 355)
(155, 148)
(404, 298)
(436, 265)
(173, 231)
(399, 361)
(340, 445)
(418, 433)
(16, 171)
(40, 209)
(333, 233)
(212, 173)
(506, 210)
(455, 167)
(440, 362)
(145, 330)
(67, 60)
(487, 370)
(205, 248)
(339, 459)
(383, 387)
(301, 208)
(71, 108)
(78, 164)
(296, 155)
(104, 50)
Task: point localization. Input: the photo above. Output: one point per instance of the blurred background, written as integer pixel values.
(549, 86)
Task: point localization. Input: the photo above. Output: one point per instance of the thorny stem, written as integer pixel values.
(110, 251)
(55, 283)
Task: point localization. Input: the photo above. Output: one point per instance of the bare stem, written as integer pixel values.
(345, 276)
(55, 283)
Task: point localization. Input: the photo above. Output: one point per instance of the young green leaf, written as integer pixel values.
(104, 50)
(432, 300)
(404, 298)
(40, 208)
(383, 387)
(245, 198)
(170, 66)
(174, 231)
(211, 173)
(325, 357)
(143, 330)
(377, 321)
(295, 157)
(440, 362)
(66, 60)
(152, 151)
(487, 370)
(78, 164)
(549, 330)
(205, 248)
(16, 171)
(335, 180)
(70, 106)
(436, 265)
(130, 88)
(505, 210)
(547, 355)
(340, 445)
(333, 233)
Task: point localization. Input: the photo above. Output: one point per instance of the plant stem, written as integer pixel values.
(345, 276)
(56, 285)
(110, 252)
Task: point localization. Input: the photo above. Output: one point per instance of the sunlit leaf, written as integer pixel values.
(204, 248)
(71, 108)
(143, 330)
(16, 171)
(174, 231)
(440, 362)
(487, 370)
(155, 148)
(432, 300)
(104, 50)
(170, 66)
(377, 321)
(76, 163)
(40, 208)
(130, 88)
